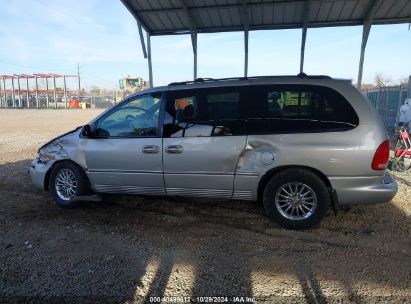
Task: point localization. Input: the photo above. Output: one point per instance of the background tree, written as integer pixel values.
(381, 80)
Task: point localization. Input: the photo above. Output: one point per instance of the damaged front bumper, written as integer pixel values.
(38, 171)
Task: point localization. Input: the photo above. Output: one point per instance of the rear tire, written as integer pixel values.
(296, 199)
(67, 179)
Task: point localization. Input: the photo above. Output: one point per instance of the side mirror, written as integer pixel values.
(101, 133)
(87, 132)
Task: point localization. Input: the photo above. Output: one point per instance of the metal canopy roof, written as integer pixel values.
(168, 17)
(171, 17)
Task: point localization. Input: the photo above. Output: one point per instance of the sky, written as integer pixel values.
(48, 36)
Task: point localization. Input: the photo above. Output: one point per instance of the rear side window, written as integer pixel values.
(295, 109)
(224, 105)
(204, 112)
(291, 104)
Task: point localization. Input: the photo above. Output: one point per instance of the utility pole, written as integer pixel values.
(78, 75)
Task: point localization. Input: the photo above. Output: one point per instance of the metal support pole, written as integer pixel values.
(12, 93)
(79, 85)
(5, 95)
(365, 33)
(150, 69)
(193, 32)
(245, 25)
(306, 15)
(19, 92)
(384, 111)
(37, 93)
(54, 93)
(398, 106)
(143, 45)
(27, 93)
(368, 18)
(65, 92)
(245, 52)
(303, 39)
(47, 92)
(194, 44)
(195, 65)
(2, 96)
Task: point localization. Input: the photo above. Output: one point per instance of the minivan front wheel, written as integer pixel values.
(67, 180)
(296, 199)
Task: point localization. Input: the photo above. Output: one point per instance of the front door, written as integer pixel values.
(126, 154)
(203, 138)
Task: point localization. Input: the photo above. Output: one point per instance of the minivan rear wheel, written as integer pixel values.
(67, 180)
(296, 199)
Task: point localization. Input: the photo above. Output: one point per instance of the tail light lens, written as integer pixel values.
(380, 160)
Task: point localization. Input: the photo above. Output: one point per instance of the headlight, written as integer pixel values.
(48, 153)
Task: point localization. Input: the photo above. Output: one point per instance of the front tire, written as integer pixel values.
(296, 199)
(67, 180)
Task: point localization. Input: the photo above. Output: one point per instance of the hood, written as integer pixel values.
(59, 137)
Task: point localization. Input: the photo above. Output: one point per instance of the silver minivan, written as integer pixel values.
(300, 144)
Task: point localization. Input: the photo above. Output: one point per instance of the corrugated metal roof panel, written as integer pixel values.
(165, 17)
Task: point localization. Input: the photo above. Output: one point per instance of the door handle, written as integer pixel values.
(151, 149)
(174, 149)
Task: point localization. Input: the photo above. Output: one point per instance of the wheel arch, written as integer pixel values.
(47, 176)
(270, 173)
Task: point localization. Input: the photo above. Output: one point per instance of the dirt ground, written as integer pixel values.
(129, 249)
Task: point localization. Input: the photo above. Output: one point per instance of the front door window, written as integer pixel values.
(135, 118)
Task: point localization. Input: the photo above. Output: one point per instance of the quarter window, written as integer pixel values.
(296, 108)
(291, 104)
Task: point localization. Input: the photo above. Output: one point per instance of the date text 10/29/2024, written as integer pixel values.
(238, 299)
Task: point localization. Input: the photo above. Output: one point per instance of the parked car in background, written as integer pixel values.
(300, 144)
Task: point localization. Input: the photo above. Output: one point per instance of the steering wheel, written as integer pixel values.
(138, 108)
(143, 123)
(129, 117)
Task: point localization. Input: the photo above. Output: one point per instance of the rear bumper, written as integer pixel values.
(38, 173)
(364, 190)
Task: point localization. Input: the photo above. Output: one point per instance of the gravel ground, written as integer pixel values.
(129, 249)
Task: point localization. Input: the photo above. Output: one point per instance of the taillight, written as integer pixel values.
(380, 160)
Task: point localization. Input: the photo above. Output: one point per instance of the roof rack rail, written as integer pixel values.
(198, 80)
(304, 75)
(202, 80)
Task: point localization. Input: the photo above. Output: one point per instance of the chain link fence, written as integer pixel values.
(387, 101)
